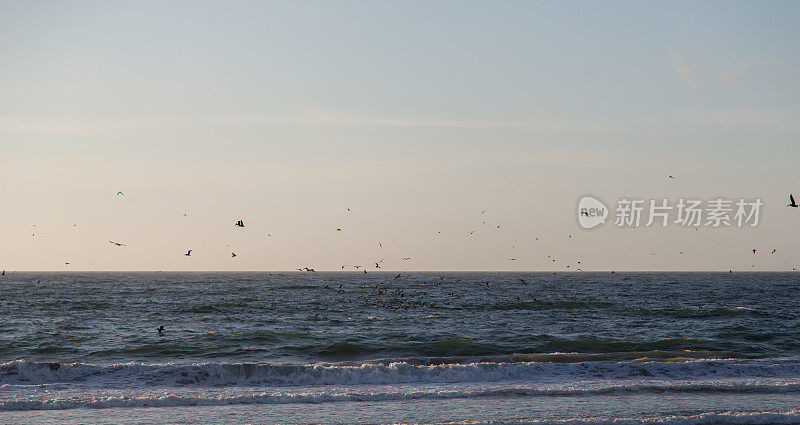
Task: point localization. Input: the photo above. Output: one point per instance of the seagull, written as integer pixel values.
(482, 212)
(377, 266)
(116, 243)
(792, 203)
(406, 258)
(338, 230)
(188, 253)
(239, 223)
(160, 330)
(773, 251)
(233, 255)
(754, 251)
(120, 194)
(671, 177)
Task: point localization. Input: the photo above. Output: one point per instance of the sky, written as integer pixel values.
(417, 116)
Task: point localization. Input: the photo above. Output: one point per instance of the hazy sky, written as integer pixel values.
(415, 115)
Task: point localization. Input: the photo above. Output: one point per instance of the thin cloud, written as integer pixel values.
(733, 75)
(682, 68)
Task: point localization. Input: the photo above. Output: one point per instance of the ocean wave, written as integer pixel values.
(175, 397)
(696, 312)
(709, 418)
(22, 372)
(634, 356)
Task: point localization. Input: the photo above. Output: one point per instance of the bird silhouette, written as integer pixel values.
(116, 243)
(792, 203)
(233, 255)
(239, 223)
(188, 253)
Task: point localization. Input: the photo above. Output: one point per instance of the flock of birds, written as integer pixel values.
(377, 264)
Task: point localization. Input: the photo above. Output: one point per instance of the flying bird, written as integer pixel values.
(792, 203)
(116, 243)
(671, 177)
(120, 194)
(773, 251)
(338, 230)
(754, 251)
(239, 223)
(188, 253)
(233, 255)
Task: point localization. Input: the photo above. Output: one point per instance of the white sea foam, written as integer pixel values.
(732, 418)
(33, 386)
(32, 373)
(72, 397)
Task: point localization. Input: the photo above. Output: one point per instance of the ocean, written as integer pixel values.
(390, 347)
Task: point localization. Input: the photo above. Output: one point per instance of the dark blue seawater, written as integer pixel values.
(339, 347)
